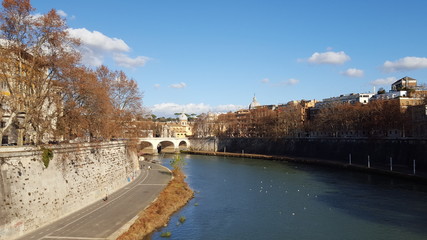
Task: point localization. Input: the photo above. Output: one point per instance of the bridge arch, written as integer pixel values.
(145, 147)
(165, 145)
(183, 145)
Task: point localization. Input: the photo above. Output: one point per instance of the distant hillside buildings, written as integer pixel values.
(406, 97)
(399, 112)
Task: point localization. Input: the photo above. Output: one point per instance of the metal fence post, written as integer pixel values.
(369, 162)
(414, 167)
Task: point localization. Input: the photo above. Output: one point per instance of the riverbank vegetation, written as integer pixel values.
(175, 195)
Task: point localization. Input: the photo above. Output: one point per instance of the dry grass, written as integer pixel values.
(175, 195)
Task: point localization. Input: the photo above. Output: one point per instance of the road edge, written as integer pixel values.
(127, 225)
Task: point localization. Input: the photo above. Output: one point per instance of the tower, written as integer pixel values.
(254, 103)
(183, 120)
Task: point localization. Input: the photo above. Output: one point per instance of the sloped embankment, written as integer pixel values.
(175, 195)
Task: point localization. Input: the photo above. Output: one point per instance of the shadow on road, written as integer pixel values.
(165, 172)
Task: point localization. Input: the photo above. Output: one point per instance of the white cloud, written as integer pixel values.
(126, 61)
(36, 15)
(289, 82)
(168, 109)
(265, 80)
(292, 81)
(95, 47)
(91, 57)
(227, 108)
(157, 85)
(178, 85)
(62, 13)
(406, 63)
(353, 72)
(384, 81)
(329, 58)
(98, 40)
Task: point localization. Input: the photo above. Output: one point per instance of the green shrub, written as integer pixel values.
(177, 162)
(166, 234)
(47, 155)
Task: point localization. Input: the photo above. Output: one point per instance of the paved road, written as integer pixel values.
(103, 218)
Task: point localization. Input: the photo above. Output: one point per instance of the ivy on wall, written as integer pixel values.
(47, 155)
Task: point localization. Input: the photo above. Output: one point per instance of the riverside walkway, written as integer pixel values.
(108, 219)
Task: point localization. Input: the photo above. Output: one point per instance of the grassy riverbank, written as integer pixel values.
(175, 195)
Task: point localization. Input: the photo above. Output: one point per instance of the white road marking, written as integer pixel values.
(98, 209)
(60, 237)
(152, 184)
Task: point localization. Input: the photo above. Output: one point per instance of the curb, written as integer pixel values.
(127, 225)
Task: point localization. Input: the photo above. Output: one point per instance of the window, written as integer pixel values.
(5, 140)
(3, 85)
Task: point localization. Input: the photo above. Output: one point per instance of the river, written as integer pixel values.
(240, 198)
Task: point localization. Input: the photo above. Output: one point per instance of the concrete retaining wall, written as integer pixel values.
(32, 195)
(402, 151)
(204, 144)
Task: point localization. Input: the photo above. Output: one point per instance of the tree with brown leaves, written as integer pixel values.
(34, 52)
(87, 107)
(126, 101)
(46, 94)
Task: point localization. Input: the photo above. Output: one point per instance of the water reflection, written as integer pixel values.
(378, 199)
(239, 198)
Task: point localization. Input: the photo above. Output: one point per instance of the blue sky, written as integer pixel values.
(205, 55)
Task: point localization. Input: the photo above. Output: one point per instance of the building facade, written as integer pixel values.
(179, 129)
(404, 83)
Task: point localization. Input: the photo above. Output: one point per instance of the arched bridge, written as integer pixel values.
(165, 145)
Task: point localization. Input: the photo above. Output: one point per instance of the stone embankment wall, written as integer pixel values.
(204, 144)
(32, 195)
(402, 151)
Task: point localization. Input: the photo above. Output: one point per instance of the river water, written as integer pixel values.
(239, 198)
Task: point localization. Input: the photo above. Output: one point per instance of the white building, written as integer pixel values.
(351, 98)
(390, 95)
(180, 129)
(254, 104)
